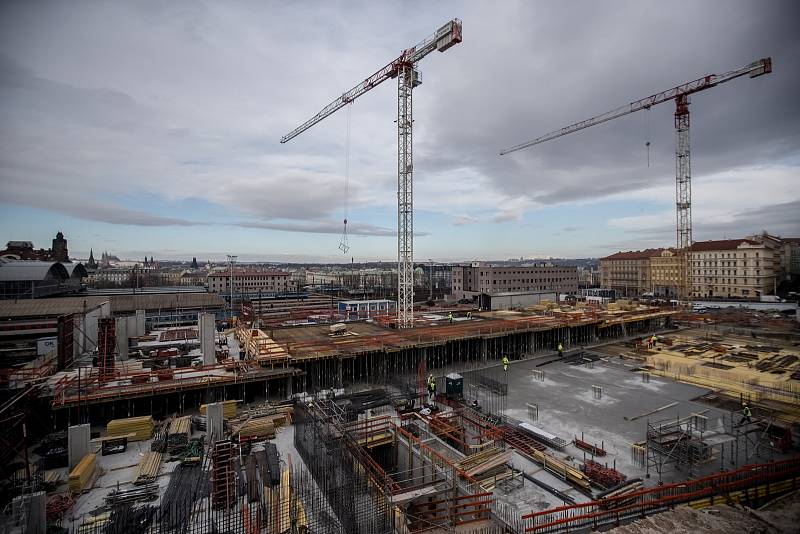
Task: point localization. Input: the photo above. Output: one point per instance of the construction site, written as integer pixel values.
(401, 417)
(334, 428)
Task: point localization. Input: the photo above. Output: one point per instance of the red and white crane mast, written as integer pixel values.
(683, 169)
(404, 68)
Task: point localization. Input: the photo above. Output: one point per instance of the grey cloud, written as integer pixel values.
(778, 219)
(321, 227)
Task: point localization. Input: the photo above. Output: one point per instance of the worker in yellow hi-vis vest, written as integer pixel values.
(560, 350)
(505, 363)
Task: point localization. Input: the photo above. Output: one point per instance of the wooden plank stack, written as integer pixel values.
(148, 468)
(261, 428)
(140, 427)
(487, 462)
(228, 409)
(178, 434)
(81, 477)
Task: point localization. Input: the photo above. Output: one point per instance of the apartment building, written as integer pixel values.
(246, 281)
(477, 278)
(629, 273)
(665, 273)
(733, 268)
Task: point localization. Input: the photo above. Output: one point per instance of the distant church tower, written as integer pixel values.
(59, 251)
(91, 263)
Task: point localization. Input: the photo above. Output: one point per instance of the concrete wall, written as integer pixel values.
(214, 421)
(78, 443)
(507, 302)
(206, 330)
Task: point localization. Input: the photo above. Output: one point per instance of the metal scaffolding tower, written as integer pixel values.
(404, 69)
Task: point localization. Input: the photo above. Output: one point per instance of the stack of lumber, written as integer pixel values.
(81, 477)
(148, 468)
(487, 462)
(140, 427)
(260, 428)
(178, 433)
(261, 423)
(228, 409)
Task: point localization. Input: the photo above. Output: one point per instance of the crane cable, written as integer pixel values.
(344, 244)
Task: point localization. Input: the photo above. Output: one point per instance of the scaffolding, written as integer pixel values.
(686, 443)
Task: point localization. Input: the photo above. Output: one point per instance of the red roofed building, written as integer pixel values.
(732, 268)
(251, 281)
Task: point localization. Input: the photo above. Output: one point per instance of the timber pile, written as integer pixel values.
(259, 425)
(140, 427)
(485, 462)
(261, 428)
(178, 434)
(83, 474)
(228, 409)
(148, 468)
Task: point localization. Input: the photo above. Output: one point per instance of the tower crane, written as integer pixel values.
(683, 171)
(404, 68)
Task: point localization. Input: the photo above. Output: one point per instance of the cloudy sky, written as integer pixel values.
(150, 127)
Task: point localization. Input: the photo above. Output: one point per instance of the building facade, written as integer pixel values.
(629, 273)
(733, 268)
(480, 278)
(245, 281)
(665, 271)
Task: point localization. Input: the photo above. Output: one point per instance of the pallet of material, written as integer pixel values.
(228, 409)
(484, 461)
(140, 427)
(605, 477)
(178, 433)
(261, 428)
(147, 471)
(82, 475)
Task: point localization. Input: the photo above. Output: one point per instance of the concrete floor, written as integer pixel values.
(567, 409)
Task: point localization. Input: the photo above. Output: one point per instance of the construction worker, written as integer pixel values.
(431, 387)
(560, 350)
(746, 413)
(654, 339)
(505, 363)
(450, 317)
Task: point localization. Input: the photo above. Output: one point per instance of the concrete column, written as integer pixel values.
(140, 329)
(339, 374)
(122, 338)
(289, 392)
(78, 444)
(214, 422)
(32, 509)
(206, 331)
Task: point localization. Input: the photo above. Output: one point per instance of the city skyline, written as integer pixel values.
(168, 146)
